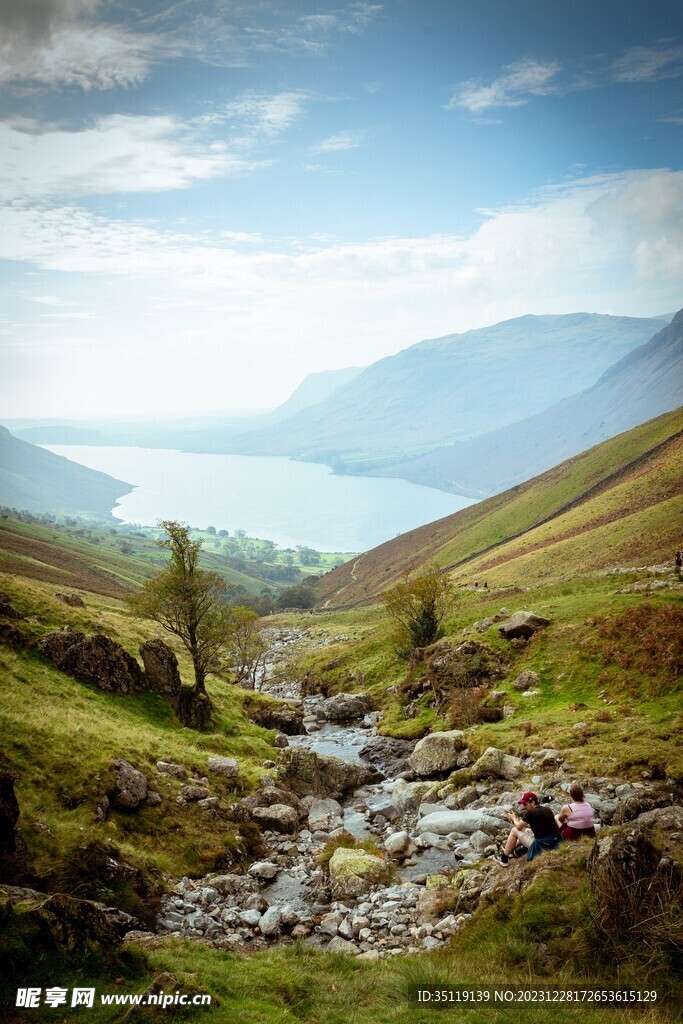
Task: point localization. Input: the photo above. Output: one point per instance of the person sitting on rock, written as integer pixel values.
(535, 831)
(576, 819)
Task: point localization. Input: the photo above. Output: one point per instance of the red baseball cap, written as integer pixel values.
(527, 796)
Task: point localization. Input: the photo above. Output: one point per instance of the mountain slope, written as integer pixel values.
(619, 503)
(455, 387)
(642, 385)
(39, 481)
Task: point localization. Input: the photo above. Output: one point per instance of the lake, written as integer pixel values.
(273, 498)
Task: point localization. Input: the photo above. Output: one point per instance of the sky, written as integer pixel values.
(204, 200)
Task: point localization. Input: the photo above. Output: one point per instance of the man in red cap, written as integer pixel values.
(535, 831)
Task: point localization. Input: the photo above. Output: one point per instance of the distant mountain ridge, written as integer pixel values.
(451, 388)
(643, 384)
(35, 480)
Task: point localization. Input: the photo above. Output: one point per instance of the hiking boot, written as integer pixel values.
(502, 859)
(519, 851)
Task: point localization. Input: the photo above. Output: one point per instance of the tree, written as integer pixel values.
(186, 600)
(418, 604)
(245, 646)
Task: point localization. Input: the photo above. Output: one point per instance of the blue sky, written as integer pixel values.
(205, 200)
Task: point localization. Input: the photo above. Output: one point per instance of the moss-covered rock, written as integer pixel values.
(437, 752)
(354, 872)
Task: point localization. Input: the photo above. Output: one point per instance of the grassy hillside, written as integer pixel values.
(113, 561)
(610, 666)
(616, 504)
(40, 481)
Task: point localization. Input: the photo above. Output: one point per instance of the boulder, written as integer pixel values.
(343, 707)
(263, 869)
(526, 680)
(636, 876)
(269, 923)
(7, 611)
(386, 807)
(341, 945)
(307, 773)
(191, 793)
(496, 764)
(225, 766)
(637, 803)
(280, 742)
(161, 667)
(522, 624)
(130, 786)
(354, 872)
(442, 823)
(399, 845)
(325, 815)
(277, 817)
(269, 796)
(73, 600)
(96, 659)
(409, 795)
(437, 752)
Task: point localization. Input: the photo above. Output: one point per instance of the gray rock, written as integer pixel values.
(250, 917)
(399, 845)
(442, 823)
(225, 766)
(130, 786)
(496, 764)
(270, 921)
(437, 752)
(208, 803)
(526, 680)
(175, 770)
(263, 869)
(153, 798)
(339, 945)
(523, 624)
(191, 793)
(325, 815)
(277, 817)
(330, 923)
(343, 707)
(385, 807)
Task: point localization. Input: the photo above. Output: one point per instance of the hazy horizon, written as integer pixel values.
(203, 204)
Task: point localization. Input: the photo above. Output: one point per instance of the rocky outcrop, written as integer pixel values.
(7, 611)
(523, 625)
(354, 872)
(387, 753)
(636, 877)
(71, 926)
(129, 789)
(308, 774)
(72, 600)
(161, 667)
(638, 803)
(277, 715)
(96, 659)
(343, 707)
(276, 817)
(437, 752)
(495, 764)
(325, 815)
(193, 708)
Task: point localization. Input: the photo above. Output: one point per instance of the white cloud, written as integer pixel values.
(519, 81)
(260, 316)
(649, 63)
(261, 115)
(340, 141)
(117, 154)
(57, 42)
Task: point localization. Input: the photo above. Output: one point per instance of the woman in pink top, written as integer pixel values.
(576, 819)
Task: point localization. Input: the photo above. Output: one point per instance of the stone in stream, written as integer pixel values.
(444, 822)
(399, 845)
(304, 772)
(278, 817)
(437, 752)
(325, 815)
(343, 707)
(263, 869)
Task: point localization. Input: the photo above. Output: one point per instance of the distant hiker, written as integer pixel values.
(535, 831)
(476, 584)
(576, 819)
(486, 586)
(679, 562)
